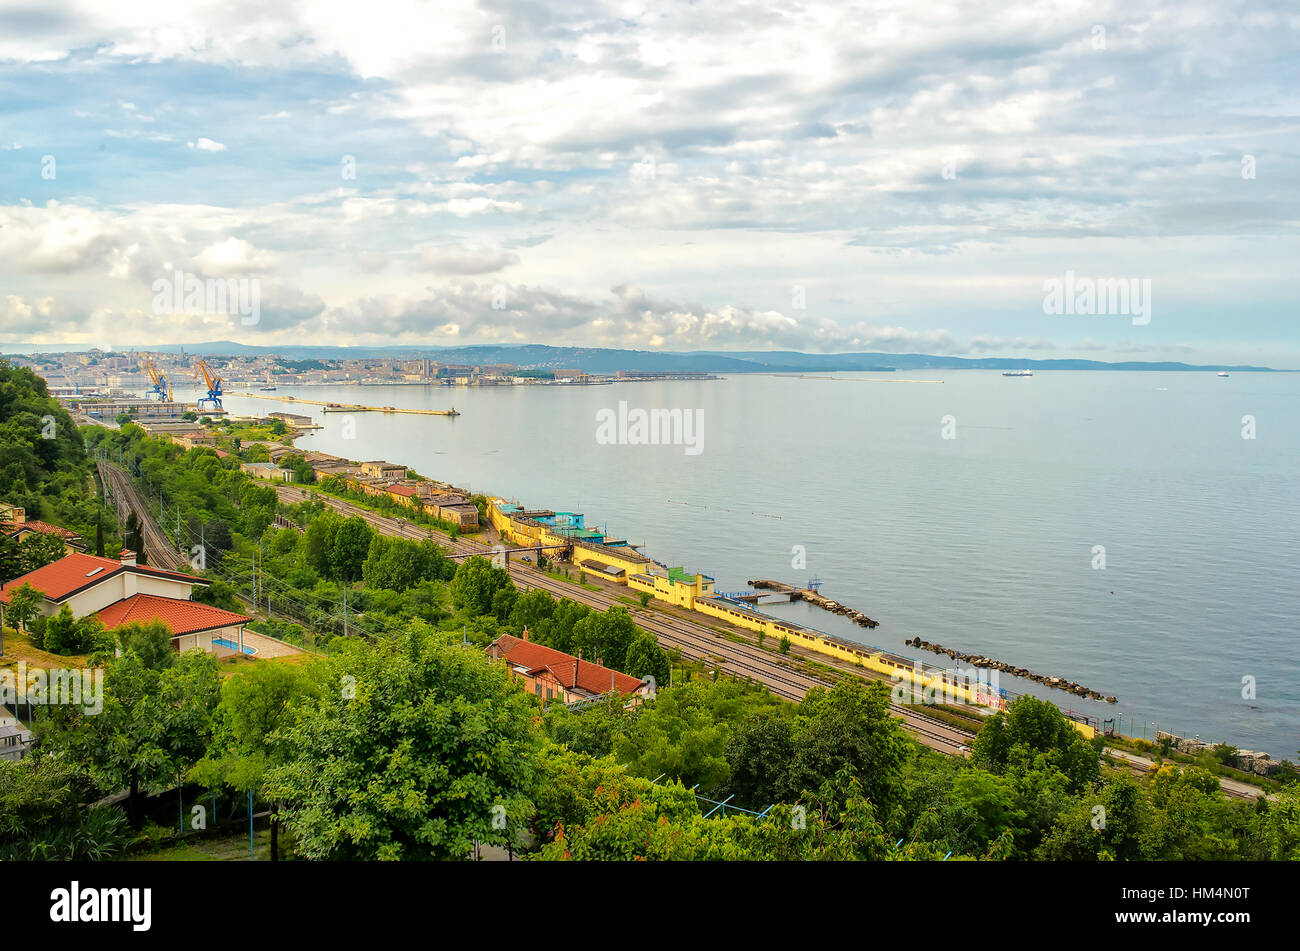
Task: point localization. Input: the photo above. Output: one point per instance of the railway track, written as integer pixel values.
(696, 642)
(159, 549)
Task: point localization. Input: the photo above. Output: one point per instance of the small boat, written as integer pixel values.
(1223, 373)
(267, 389)
(1019, 373)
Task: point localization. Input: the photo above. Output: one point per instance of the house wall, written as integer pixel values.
(630, 566)
(117, 588)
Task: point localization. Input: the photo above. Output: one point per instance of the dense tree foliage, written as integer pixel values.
(398, 564)
(1033, 734)
(155, 723)
(418, 750)
(43, 463)
(43, 816)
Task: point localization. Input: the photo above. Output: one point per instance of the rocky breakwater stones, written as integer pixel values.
(979, 660)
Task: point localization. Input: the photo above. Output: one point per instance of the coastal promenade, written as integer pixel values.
(673, 627)
(741, 659)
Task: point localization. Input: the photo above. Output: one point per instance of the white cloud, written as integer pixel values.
(232, 257)
(456, 259)
(809, 147)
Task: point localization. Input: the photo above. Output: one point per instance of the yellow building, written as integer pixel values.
(599, 557)
(519, 527)
(673, 585)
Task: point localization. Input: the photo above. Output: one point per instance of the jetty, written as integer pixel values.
(351, 407)
(814, 597)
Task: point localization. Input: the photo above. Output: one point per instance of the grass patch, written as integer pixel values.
(216, 847)
(19, 647)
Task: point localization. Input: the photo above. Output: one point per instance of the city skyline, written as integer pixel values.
(826, 180)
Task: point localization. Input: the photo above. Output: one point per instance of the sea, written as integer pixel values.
(1134, 532)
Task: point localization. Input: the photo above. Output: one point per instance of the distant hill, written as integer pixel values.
(602, 360)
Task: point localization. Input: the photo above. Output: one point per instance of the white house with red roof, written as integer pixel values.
(552, 674)
(122, 592)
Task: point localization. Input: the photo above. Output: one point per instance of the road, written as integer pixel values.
(694, 640)
(1230, 787)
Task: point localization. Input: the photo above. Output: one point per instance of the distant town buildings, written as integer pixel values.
(120, 374)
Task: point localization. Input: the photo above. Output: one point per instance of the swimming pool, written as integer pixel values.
(232, 645)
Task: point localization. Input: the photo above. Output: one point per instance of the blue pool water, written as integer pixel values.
(231, 645)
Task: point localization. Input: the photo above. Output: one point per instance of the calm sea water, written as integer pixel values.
(984, 542)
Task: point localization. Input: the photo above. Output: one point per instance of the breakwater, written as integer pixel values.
(816, 598)
(979, 660)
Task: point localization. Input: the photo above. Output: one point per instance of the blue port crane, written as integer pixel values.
(211, 381)
(161, 388)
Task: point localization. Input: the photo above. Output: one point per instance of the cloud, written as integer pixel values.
(20, 317)
(455, 259)
(56, 239)
(914, 166)
(233, 257)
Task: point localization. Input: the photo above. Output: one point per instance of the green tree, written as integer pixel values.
(399, 564)
(66, 634)
(256, 705)
(218, 538)
(150, 641)
(24, 604)
(155, 724)
(606, 636)
(646, 658)
(850, 728)
(1112, 824)
(1034, 734)
(761, 753)
(219, 594)
(476, 584)
(39, 549)
(419, 750)
(1279, 828)
(42, 817)
(351, 545)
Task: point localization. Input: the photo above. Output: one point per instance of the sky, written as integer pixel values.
(840, 176)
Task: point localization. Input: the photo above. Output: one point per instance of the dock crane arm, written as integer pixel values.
(160, 384)
(211, 381)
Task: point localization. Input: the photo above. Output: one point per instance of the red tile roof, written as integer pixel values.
(183, 617)
(71, 573)
(407, 490)
(38, 526)
(591, 677)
